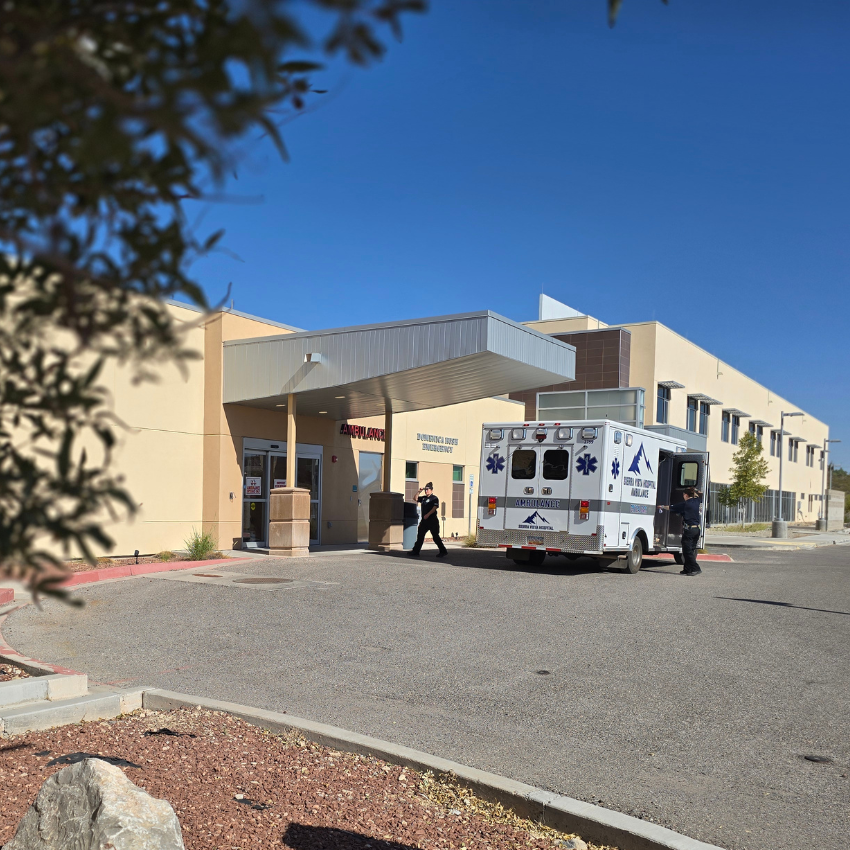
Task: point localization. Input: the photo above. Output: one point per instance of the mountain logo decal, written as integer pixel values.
(534, 518)
(635, 467)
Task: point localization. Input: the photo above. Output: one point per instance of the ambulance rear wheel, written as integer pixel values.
(679, 558)
(635, 557)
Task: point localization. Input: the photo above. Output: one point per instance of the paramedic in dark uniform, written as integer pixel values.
(429, 522)
(689, 511)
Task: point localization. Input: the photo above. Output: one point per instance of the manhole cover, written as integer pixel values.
(819, 759)
(263, 580)
(206, 575)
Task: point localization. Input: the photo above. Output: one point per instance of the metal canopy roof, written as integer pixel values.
(671, 385)
(705, 399)
(736, 412)
(399, 366)
(761, 422)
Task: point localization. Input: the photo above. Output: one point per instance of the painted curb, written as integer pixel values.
(127, 570)
(592, 823)
(713, 556)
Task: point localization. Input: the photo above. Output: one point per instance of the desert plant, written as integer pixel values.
(201, 545)
(165, 556)
(471, 540)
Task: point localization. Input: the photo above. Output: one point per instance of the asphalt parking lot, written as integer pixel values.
(688, 701)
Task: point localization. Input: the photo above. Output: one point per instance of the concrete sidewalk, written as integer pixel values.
(808, 539)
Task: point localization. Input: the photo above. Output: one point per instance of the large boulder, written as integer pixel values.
(92, 805)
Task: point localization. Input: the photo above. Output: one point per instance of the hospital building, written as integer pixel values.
(388, 407)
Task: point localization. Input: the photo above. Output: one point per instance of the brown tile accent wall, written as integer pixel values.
(411, 491)
(457, 500)
(602, 362)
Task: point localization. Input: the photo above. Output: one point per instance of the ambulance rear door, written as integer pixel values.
(690, 469)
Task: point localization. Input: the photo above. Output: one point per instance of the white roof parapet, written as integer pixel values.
(417, 364)
(705, 399)
(671, 385)
(736, 412)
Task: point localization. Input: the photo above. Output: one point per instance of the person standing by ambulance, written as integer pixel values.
(429, 522)
(689, 510)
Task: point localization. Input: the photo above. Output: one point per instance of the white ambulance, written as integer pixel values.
(584, 488)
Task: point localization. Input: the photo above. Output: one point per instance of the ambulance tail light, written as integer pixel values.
(491, 505)
(584, 509)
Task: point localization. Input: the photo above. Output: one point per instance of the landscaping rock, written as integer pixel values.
(92, 805)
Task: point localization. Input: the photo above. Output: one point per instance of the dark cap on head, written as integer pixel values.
(429, 486)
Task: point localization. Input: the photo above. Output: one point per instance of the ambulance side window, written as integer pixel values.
(524, 464)
(689, 474)
(556, 464)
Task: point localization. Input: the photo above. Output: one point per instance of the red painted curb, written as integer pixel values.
(669, 557)
(127, 570)
(6, 595)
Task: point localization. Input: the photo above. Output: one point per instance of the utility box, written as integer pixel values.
(834, 510)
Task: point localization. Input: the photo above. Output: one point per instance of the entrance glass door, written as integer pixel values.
(307, 474)
(254, 500)
(368, 482)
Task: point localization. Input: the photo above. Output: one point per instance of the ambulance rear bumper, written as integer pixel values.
(558, 541)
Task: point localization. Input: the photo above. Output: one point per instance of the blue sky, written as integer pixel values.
(688, 166)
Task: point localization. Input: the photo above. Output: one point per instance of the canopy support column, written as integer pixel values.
(386, 509)
(289, 507)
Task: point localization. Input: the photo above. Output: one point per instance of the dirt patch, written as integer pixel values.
(8, 672)
(235, 787)
(103, 563)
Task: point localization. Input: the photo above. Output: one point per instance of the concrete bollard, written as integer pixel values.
(386, 522)
(779, 528)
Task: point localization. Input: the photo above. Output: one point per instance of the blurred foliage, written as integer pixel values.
(113, 117)
(614, 10)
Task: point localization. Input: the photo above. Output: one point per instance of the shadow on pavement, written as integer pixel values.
(300, 836)
(782, 605)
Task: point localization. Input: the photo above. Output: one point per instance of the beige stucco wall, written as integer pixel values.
(160, 448)
(677, 358)
(459, 421)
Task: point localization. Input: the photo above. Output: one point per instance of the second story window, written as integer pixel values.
(704, 412)
(736, 426)
(773, 443)
(725, 421)
(662, 412)
(693, 407)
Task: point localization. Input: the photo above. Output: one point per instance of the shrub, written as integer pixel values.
(104, 562)
(471, 540)
(165, 556)
(201, 545)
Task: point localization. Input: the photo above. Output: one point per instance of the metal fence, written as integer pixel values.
(749, 511)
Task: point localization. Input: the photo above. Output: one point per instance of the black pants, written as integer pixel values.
(431, 524)
(690, 537)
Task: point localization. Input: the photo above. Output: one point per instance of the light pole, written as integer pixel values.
(780, 527)
(822, 520)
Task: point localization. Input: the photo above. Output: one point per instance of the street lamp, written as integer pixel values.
(822, 520)
(780, 527)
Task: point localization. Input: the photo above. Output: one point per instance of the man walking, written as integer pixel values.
(429, 522)
(689, 511)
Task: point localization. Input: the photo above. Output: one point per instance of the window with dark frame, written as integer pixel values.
(556, 464)
(736, 426)
(760, 434)
(724, 426)
(692, 414)
(524, 464)
(662, 412)
(773, 443)
(704, 413)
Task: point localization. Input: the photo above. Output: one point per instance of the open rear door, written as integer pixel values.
(690, 469)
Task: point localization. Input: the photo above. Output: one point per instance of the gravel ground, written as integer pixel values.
(688, 702)
(237, 787)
